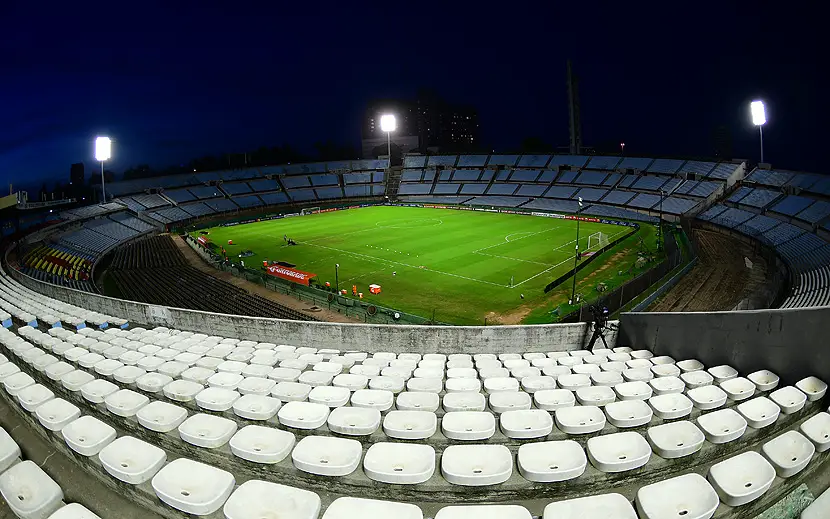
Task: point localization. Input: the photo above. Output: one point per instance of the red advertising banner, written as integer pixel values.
(297, 276)
(202, 240)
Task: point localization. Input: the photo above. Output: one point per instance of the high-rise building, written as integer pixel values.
(722, 142)
(431, 121)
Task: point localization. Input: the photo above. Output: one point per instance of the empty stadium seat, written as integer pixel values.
(29, 492)
(193, 487)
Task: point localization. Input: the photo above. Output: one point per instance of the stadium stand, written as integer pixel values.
(153, 270)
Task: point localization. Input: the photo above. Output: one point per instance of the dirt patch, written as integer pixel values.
(515, 316)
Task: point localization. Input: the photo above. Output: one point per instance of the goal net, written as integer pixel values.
(310, 210)
(597, 241)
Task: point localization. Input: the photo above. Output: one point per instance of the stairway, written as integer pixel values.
(393, 182)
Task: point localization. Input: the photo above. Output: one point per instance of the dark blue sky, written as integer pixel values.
(173, 80)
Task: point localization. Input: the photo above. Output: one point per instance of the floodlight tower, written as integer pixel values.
(388, 125)
(576, 255)
(337, 277)
(759, 118)
(103, 151)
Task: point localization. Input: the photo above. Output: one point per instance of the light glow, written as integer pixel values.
(759, 114)
(103, 148)
(387, 123)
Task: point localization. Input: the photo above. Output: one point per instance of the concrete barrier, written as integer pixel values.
(363, 337)
(789, 342)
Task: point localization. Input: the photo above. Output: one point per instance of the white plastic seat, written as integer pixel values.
(569, 361)
(476, 465)
(665, 370)
(354, 421)
(399, 463)
(579, 419)
(462, 373)
(350, 381)
(16, 382)
(393, 384)
(432, 385)
(789, 398)
(759, 412)
(329, 395)
(573, 382)
(637, 390)
(128, 374)
(528, 423)
(328, 367)
(628, 413)
(193, 487)
(641, 354)
(125, 402)
(538, 383)
(456, 385)
(225, 380)
(261, 444)
(160, 416)
(606, 378)
(595, 395)
(256, 407)
(613, 366)
(618, 452)
(150, 363)
(619, 357)
(43, 362)
(29, 492)
(231, 366)
(813, 387)
(256, 499)
(208, 431)
(764, 380)
(553, 399)
(152, 382)
(132, 460)
(291, 391)
(522, 373)
(675, 439)
(256, 386)
(468, 425)
(107, 367)
(352, 507)
(722, 426)
(56, 414)
(637, 374)
(509, 401)
(817, 430)
(327, 455)
(501, 384)
(216, 398)
(33, 396)
(410, 425)
(606, 506)
(594, 359)
(9, 451)
(789, 453)
(742, 478)
(88, 435)
(738, 388)
(285, 374)
(483, 512)
(688, 496)
(303, 415)
(464, 402)
(694, 379)
(706, 398)
(74, 380)
(74, 511)
(428, 373)
(661, 360)
(722, 373)
(417, 401)
(53, 371)
(671, 406)
(547, 462)
(818, 509)
(89, 360)
(375, 398)
(365, 370)
(635, 363)
(584, 369)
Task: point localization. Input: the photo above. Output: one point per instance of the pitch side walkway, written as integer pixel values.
(283, 299)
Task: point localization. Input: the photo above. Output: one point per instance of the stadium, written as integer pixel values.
(282, 340)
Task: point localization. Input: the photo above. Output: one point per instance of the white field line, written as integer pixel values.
(517, 239)
(379, 260)
(560, 263)
(513, 259)
(349, 280)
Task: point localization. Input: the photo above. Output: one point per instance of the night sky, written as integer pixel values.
(173, 80)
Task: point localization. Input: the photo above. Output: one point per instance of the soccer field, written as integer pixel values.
(459, 264)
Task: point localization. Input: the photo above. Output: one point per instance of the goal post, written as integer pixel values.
(309, 210)
(597, 241)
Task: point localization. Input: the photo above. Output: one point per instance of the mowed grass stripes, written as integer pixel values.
(458, 264)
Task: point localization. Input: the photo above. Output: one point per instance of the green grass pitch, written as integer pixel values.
(458, 264)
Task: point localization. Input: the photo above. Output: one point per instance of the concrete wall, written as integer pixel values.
(790, 343)
(363, 337)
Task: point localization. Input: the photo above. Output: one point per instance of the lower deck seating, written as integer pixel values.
(155, 271)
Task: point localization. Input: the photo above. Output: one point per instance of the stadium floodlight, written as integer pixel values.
(388, 125)
(337, 277)
(103, 152)
(759, 118)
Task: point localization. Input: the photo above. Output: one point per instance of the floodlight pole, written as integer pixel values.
(576, 254)
(336, 277)
(103, 188)
(389, 149)
(761, 133)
